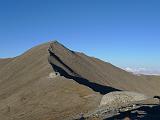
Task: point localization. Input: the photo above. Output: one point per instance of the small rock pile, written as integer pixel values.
(53, 75)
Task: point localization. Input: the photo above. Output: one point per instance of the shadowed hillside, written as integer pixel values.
(100, 72)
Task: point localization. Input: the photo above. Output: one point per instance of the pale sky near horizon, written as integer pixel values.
(124, 32)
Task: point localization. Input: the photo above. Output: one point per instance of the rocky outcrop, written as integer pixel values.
(121, 98)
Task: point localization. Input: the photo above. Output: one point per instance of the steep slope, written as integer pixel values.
(28, 93)
(103, 73)
(30, 89)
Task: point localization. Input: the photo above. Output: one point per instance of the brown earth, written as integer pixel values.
(27, 92)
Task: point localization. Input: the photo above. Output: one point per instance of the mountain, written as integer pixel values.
(51, 82)
(100, 72)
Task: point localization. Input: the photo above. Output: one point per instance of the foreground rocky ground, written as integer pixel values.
(144, 108)
(144, 112)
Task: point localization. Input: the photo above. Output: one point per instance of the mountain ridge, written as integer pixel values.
(27, 91)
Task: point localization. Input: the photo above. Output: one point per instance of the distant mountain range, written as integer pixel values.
(143, 71)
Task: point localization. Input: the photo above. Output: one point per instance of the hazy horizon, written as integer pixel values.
(124, 33)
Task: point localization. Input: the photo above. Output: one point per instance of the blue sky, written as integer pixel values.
(123, 32)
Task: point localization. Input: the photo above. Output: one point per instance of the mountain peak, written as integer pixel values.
(55, 42)
(31, 79)
(56, 46)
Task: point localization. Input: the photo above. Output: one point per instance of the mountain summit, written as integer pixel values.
(77, 64)
(51, 81)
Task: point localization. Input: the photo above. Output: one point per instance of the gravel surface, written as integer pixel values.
(114, 103)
